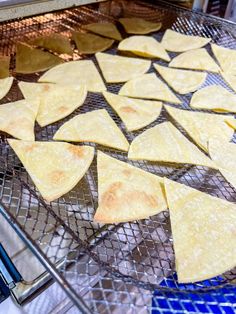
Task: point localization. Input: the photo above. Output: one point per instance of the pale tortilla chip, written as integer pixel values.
(181, 81)
(136, 25)
(198, 59)
(95, 126)
(30, 60)
(177, 42)
(223, 154)
(117, 69)
(231, 123)
(135, 113)
(90, 43)
(230, 79)
(202, 126)
(56, 101)
(47, 164)
(82, 72)
(226, 58)
(105, 29)
(144, 46)
(4, 66)
(5, 86)
(54, 42)
(18, 118)
(126, 193)
(203, 229)
(148, 86)
(165, 143)
(214, 97)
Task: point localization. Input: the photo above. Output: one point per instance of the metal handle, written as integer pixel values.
(9, 275)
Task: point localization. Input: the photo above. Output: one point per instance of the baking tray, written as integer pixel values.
(110, 268)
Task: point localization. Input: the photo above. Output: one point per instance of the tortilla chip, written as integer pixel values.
(202, 126)
(47, 164)
(117, 69)
(148, 86)
(30, 60)
(5, 86)
(54, 42)
(214, 97)
(166, 143)
(144, 46)
(56, 101)
(89, 43)
(226, 58)
(18, 118)
(126, 193)
(75, 73)
(223, 154)
(182, 81)
(95, 126)
(198, 59)
(203, 229)
(135, 113)
(230, 79)
(231, 123)
(177, 42)
(136, 25)
(105, 29)
(4, 66)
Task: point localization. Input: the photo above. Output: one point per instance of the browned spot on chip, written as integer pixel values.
(29, 148)
(62, 109)
(57, 176)
(46, 88)
(126, 172)
(77, 151)
(128, 109)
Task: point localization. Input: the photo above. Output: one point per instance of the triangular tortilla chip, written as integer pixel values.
(135, 113)
(54, 42)
(117, 69)
(95, 126)
(4, 66)
(198, 59)
(226, 58)
(203, 229)
(90, 43)
(214, 97)
(144, 46)
(230, 79)
(202, 126)
(105, 29)
(166, 143)
(30, 60)
(223, 154)
(82, 72)
(55, 168)
(181, 81)
(56, 101)
(177, 42)
(18, 118)
(5, 86)
(148, 86)
(231, 123)
(136, 25)
(126, 193)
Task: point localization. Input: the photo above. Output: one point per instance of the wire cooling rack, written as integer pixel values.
(111, 268)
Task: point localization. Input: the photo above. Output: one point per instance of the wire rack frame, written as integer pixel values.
(110, 267)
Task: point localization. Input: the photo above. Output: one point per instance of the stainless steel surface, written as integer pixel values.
(112, 268)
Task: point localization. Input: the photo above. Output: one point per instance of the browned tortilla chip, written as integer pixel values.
(135, 25)
(105, 29)
(30, 60)
(4, 66)
(90, 43)
(54, 42)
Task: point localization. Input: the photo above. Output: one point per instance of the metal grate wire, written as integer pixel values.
(112, 268)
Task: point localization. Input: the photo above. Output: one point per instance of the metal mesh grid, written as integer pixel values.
(113, 268)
